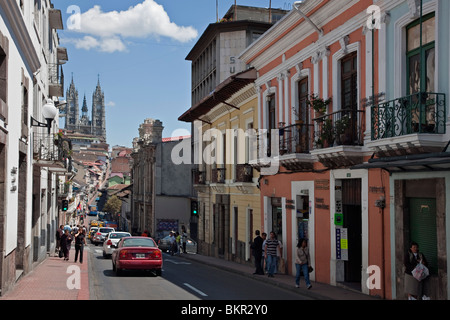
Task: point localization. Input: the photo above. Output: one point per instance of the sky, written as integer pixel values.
(137, 50)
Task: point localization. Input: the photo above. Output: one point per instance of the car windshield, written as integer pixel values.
(138, 242)
(105, 230)
(119, 235)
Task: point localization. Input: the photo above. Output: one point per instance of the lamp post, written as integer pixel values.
(49, 112)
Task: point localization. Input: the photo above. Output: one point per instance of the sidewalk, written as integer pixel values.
(318, 291)
(51, 279)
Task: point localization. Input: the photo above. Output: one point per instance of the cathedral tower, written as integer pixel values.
(98, 112)
(72, 109)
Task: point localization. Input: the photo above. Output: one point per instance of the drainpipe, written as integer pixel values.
(304, 16)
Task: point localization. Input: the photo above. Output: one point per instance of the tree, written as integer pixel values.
(113, 205)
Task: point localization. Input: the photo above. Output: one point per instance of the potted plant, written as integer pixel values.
(342, 130)
(326, 133)
(318, 104)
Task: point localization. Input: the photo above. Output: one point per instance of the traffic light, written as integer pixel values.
(65, 205)
(194, 208)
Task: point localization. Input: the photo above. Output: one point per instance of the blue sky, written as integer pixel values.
(138, 48)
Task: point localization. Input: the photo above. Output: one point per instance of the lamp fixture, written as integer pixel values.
(49, 112)
(304, 16)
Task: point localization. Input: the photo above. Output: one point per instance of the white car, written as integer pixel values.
(100, 235)
(111, 241)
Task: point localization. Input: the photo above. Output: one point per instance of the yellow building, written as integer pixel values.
(227, 186)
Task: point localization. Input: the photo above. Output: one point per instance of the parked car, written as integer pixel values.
(111, 241)
(137, 253)
(164, 245)
(100, 235)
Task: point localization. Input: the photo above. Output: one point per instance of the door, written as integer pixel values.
(422, 227)
(352, 212)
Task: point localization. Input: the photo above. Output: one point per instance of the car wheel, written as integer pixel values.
(118, 272)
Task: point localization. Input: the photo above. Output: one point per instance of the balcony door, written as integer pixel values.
(302, 115)
(421, 74)
(349, 97)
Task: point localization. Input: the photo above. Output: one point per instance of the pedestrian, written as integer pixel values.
(144, 234)
(263, 259)
(184, 234)
(257, 247)
(80, 241)
(59, 233)
(271, 249)
(66, 240)
(172, 242)
(178, 242)
(413, 287)
(302, 263)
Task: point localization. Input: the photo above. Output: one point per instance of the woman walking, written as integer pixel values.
(302, 263)
(80, 241)
(66, 240)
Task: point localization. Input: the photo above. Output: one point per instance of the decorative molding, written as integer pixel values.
(344, 41)
(414, 11)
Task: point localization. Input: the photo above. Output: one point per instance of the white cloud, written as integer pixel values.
(111, 104)
(105, 31)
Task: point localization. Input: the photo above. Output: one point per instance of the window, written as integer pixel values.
(420, 68)
(272, 122)
(415, 74)
(349, 81)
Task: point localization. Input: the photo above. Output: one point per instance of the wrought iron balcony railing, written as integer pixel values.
(296, 138)
(218, 175)
(342, 127)
(199, 177)
(52, 148)
(56, 79)
(244, 173)
(417, 113)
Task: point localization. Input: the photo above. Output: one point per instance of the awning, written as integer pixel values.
(439, 161)
(220, 94)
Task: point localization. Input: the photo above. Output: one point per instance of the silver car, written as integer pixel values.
(164, 245)
(100, 235)
(111, 241)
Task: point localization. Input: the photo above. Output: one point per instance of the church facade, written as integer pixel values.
(94, 125)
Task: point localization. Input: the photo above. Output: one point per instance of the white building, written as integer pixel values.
(30, 160)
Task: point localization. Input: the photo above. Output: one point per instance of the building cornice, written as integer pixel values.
(21, 36)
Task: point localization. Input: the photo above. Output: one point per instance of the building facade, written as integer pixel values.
(344, 91)
(226, 185)
(161, 187)
(222, 89)
(33, 160)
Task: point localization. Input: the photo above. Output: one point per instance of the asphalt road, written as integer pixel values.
(180, 280)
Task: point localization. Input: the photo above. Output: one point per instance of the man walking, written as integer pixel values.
(271, 249)
(257, 252)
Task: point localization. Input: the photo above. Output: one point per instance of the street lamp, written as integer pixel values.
(49, 112)
(304, 16)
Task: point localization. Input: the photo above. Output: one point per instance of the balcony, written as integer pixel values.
(56, 80)
(218, 175)
(295, 145)
(53, 152)
(339, 137)
(244, 173)
(199, 177)
(409, 125)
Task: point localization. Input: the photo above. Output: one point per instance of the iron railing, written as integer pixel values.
(342, 127)
(417, 113)
(218, 175)
(244, 173)
(296, 138)
(52, 148)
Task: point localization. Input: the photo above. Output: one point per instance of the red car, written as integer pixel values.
(137, 253)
